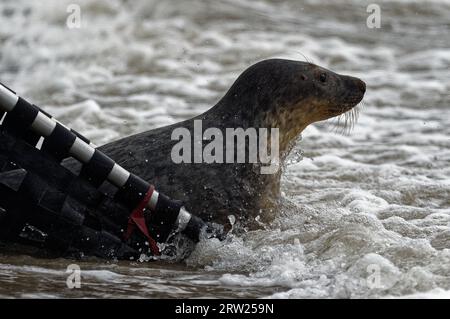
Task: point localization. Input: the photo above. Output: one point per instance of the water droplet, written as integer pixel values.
(295, 157)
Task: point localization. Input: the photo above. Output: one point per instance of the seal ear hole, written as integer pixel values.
(304, 77)
(323, 77)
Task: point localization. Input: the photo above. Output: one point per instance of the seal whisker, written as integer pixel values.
(348, 123)
(336, 124)
(345, 122)
(305, 57)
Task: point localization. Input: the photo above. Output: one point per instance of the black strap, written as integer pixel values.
(98, 168)
(59, 142)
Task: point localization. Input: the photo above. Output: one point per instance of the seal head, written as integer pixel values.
(288, 95)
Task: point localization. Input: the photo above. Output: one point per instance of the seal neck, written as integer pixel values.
(244, 113)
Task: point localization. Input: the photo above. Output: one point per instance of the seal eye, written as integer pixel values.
(323, 77)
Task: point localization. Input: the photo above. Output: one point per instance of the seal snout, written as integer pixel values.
(360, 90)
(361, 85)
(355, 90)
(356, 85)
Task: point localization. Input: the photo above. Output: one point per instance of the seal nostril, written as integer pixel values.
(361, 85)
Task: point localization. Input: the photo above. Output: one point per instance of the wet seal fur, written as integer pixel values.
(274, 93)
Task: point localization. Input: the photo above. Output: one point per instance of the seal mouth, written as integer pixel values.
(347, 111)
(345, 107)
(342, 108)
(350, 101)
(352, 98)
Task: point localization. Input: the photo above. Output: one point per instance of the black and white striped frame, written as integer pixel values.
(68, 142)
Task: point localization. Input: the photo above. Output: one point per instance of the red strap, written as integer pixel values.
(137, 219)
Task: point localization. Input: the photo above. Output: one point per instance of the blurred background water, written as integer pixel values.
(375, 201)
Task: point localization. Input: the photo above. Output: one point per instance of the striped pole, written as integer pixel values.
(136, 193)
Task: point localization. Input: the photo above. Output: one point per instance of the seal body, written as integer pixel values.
(213, 191)
(283, 94)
